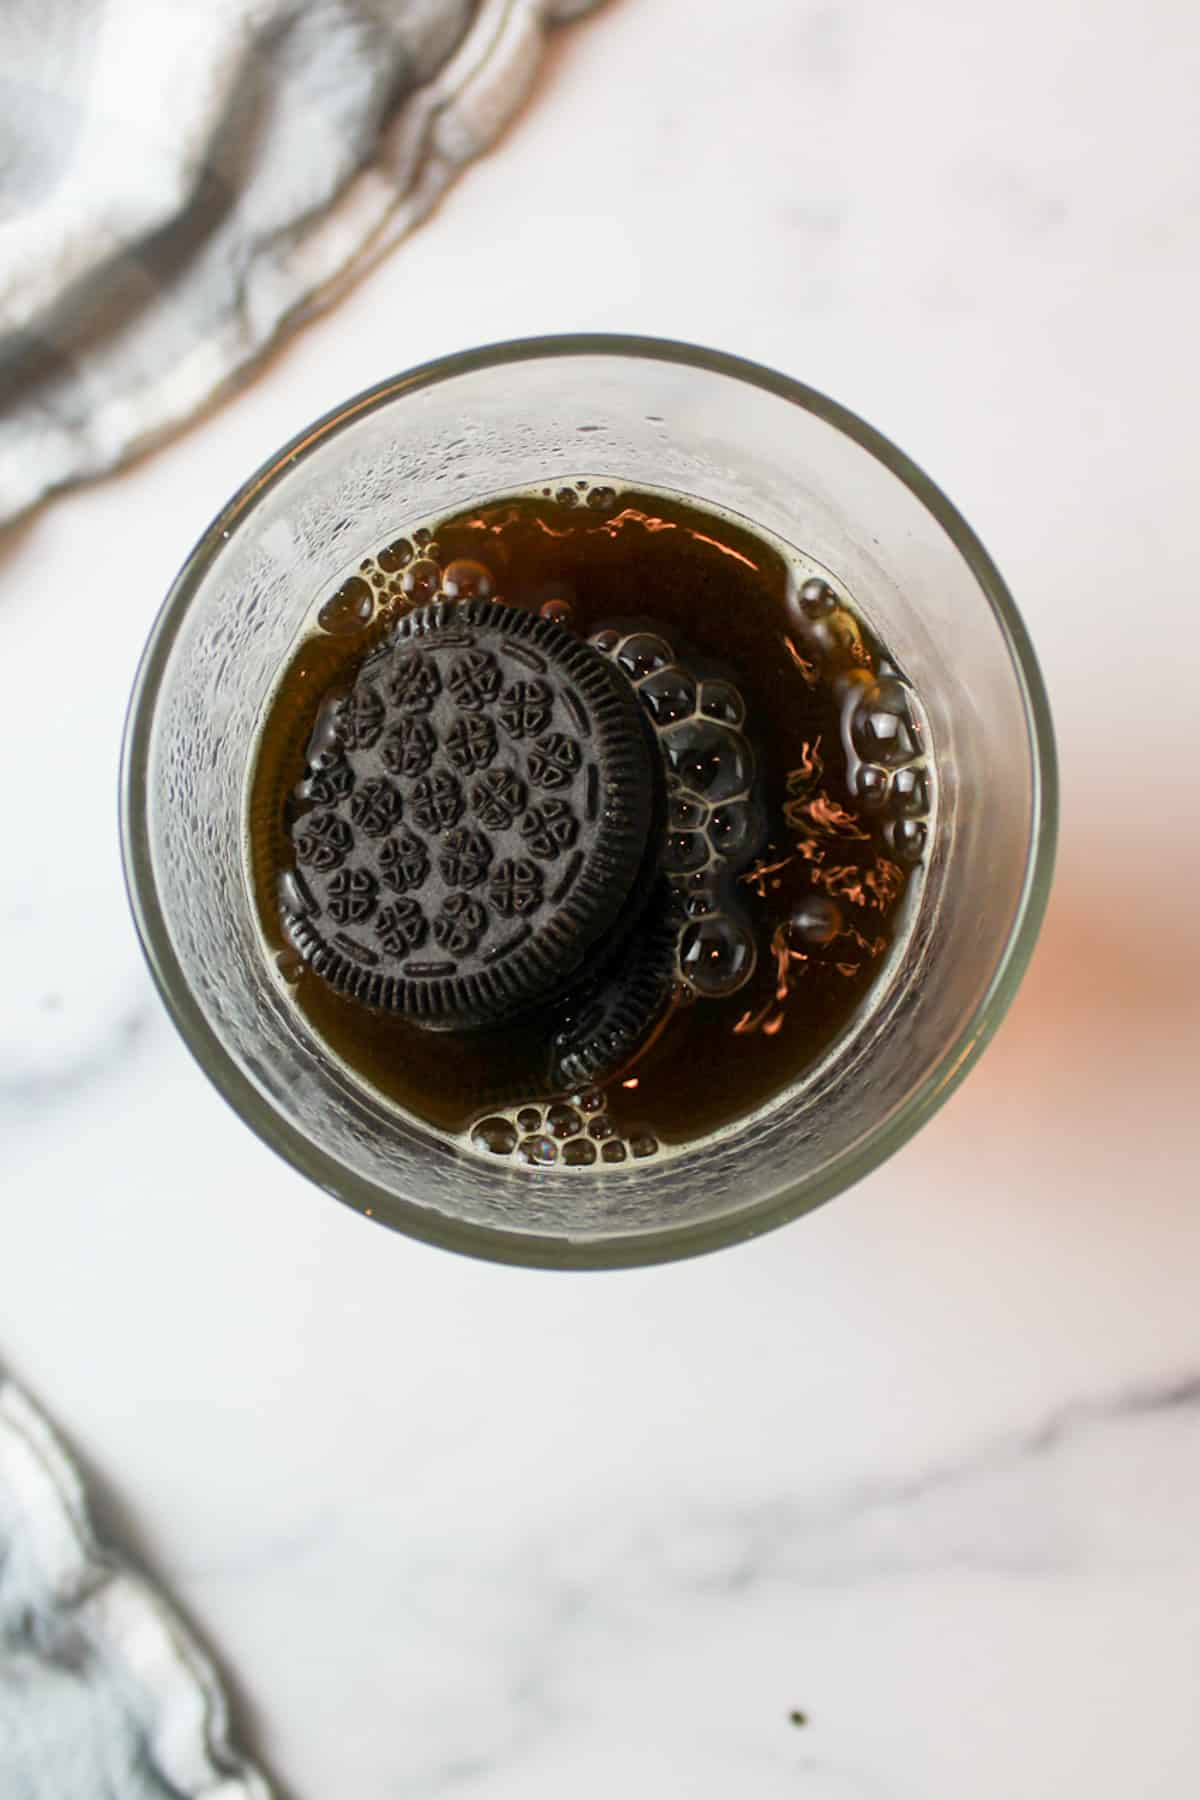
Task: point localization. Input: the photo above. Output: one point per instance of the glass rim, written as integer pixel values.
(631, 1248)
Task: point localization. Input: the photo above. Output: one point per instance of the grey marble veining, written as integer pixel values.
(606, 1599)
(26, 1092)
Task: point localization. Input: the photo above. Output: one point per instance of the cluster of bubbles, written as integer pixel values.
(888, 770)
(594, 495)
(576, 1132)
(887, 765)
(408, 572)
(714, 822)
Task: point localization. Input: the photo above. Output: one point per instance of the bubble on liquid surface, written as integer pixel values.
(579, 1153)
(563, 1121)
(717, 955)
(813, 921)
(347, 611)
(538, 1150)
(732, 828)
(816, 598)
(557, 610)
(643, 655)
(910, 792)
(721, 701)
(421, 581)
(871, 785)
(693, 896)
(685, 812)
(907, 838)
(882, 729)
(828, 635)
(497, 1136)
(466, 579)
(529, 1118)
(685, 851)
(396, 557)
(605, 641)
(668, 695)
(708, 758)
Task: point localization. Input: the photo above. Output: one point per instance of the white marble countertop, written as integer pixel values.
(923, 1467)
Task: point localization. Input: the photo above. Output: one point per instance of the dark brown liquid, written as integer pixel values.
(843, 800)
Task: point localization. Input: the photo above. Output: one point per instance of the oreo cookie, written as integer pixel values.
(611, 1015)
(480, 816)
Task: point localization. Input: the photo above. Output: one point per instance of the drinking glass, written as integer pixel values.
(633, 411)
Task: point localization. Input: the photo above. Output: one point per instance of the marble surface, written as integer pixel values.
(922, 1468)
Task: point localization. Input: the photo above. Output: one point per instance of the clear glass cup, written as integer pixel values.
(630, 410)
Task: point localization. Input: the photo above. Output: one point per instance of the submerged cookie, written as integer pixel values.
(611, 1016)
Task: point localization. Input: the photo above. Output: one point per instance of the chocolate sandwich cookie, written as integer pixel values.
(482, 812)
(611, 1016)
